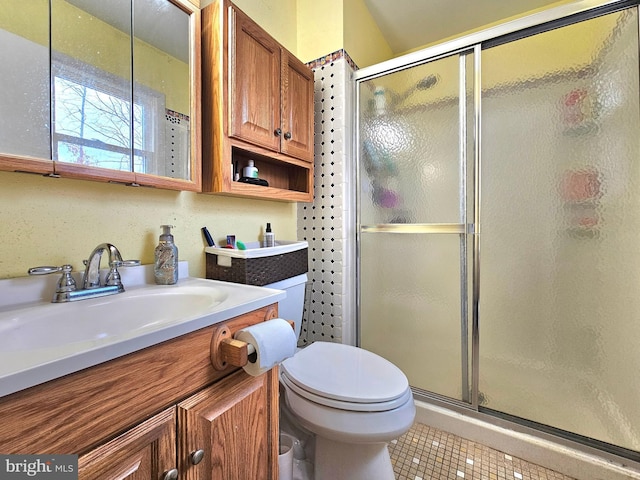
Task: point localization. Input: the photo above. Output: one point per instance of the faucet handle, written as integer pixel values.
(45, 270)
(129, 263)
(65, 284)
(113, 277)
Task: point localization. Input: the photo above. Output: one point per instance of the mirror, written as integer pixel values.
(24, 85)
(120, 81)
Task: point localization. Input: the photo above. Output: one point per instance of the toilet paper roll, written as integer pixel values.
(273, 340)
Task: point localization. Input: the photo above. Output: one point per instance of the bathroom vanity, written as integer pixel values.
(154, 413)
(127, 381)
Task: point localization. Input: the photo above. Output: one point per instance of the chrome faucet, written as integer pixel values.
(92, 271)
(66, 290)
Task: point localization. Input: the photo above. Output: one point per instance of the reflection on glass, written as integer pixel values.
(92, 127)
(409, 145)
(91, 68)
(24, 83)
(161, 75)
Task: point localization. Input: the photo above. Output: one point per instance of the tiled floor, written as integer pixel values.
(425, 453)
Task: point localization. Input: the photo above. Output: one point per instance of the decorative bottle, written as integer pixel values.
(166, 258)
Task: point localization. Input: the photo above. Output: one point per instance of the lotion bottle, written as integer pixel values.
(250, 170)
(269, 239)
(166, 258)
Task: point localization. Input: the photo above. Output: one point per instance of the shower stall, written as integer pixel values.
(498, 224)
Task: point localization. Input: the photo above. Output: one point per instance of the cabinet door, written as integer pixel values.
(235, 424)
(144, 452)
(254, 83)
(297, 108)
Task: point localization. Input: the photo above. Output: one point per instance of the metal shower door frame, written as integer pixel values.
(464, 229)
(470, 44)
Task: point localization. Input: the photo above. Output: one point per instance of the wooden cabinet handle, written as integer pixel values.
(287, 136)
(277, 132)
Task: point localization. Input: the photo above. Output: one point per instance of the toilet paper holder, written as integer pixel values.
(226, 351)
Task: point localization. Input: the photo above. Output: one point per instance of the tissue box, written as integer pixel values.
(257, 265)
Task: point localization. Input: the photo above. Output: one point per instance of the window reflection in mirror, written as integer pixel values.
(161, 52)
(24, 85)
(92, 83)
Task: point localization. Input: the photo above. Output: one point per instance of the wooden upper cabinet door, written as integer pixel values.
(146, 451)
(254, 83)
(231, 422)
(297, 108)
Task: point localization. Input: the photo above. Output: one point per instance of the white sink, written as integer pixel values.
(116, 316)
(40, 341)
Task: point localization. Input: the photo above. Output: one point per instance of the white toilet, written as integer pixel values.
(352, 401)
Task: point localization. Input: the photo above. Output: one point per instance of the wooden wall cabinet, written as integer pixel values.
(257, 105)
(145, 415)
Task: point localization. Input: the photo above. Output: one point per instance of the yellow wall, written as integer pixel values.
(363, 40)
(277, 17)
(20, 17)
(327, 26)
(320, 28)
(489, 25)
(49, 221)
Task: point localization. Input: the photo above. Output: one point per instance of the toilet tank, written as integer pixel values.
(292, 307)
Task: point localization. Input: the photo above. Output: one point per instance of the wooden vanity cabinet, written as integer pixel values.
(144, 415)
(257, 105)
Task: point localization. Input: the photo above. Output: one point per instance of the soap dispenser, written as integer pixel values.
(166, 258)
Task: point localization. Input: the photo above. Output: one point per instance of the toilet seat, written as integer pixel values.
(345, 377)
(351, 406)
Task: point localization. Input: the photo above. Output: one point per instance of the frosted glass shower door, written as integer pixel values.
(412, 222)
(560, 229)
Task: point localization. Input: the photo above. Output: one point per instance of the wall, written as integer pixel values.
(320, 28)
(328, 26)
(277, 17)
(363, 40)
(54, 221)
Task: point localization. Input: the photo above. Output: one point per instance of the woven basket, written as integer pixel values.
(259, 271)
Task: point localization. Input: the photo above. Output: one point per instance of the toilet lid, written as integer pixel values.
(345, 373)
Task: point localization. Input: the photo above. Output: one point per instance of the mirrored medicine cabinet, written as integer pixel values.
(99, 90)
